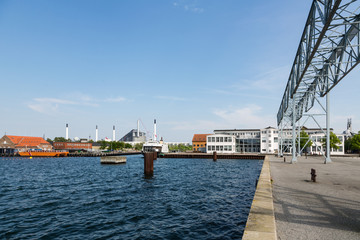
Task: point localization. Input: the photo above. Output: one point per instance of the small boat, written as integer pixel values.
(154, 145)
(43, 154)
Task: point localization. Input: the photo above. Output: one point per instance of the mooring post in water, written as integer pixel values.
(155, 155)
(214, 156)
(149, 163)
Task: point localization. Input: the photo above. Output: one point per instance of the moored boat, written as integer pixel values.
(43, 154)
(154, 145)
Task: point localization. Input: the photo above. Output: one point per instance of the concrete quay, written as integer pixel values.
(260, 224)
(326, 209)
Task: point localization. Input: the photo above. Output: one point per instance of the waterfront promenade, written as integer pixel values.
(326, 209)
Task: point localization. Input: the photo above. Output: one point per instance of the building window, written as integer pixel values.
(217, 139)
(217, 148)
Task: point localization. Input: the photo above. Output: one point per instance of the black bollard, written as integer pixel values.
(313, 175)
(214, 156)
(284, 159)
(148, 163)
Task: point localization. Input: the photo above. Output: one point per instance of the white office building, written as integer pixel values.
(220, 143)
(267, 141)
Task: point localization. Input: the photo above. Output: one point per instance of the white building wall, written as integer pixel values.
(317, 146)
(220, 143)
(269, 140)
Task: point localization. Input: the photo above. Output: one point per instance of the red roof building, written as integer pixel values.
(24, 143)
(199, 142)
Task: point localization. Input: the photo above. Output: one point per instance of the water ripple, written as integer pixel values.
(78, 198)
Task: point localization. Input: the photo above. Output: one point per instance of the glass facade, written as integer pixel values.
(248, 145)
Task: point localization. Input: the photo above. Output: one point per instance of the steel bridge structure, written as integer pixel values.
(329, 49)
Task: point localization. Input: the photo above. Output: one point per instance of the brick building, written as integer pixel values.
(72, 146)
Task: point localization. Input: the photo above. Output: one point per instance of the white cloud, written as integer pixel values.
(114, 100)
(43, 107)
(171, 98)
(53, 100)
(189, 6)
(271, 81)
(247, 117)
(53, 105)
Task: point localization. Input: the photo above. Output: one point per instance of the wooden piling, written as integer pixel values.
(155, 155)
(214, 156)
(149, 163)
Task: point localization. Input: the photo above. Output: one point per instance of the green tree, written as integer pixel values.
(128, 145)
(334, 140)
(355, 142)
(348, 143)
(103, 145)
(61, 139)
(304, 140)
(179, 147)
(138, 146)
(113, 145)
(49, 140)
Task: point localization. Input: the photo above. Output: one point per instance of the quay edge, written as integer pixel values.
(210, 156)
(261, 220)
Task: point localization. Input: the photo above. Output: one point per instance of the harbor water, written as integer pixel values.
(78, 198)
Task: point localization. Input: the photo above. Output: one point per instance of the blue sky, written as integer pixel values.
(194, 65)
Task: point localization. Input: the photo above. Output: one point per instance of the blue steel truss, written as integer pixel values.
(329, 49)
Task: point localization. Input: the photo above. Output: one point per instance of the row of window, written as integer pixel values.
(320, 148)
(220, 148)
(73, 144)
(219, 139)
(198, 145)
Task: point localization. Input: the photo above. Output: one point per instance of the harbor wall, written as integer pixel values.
(210, 156)
(261, 220)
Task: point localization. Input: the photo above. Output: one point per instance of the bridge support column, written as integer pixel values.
(280, 138)
(293, 159)
(298, 145)
(327, 159)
